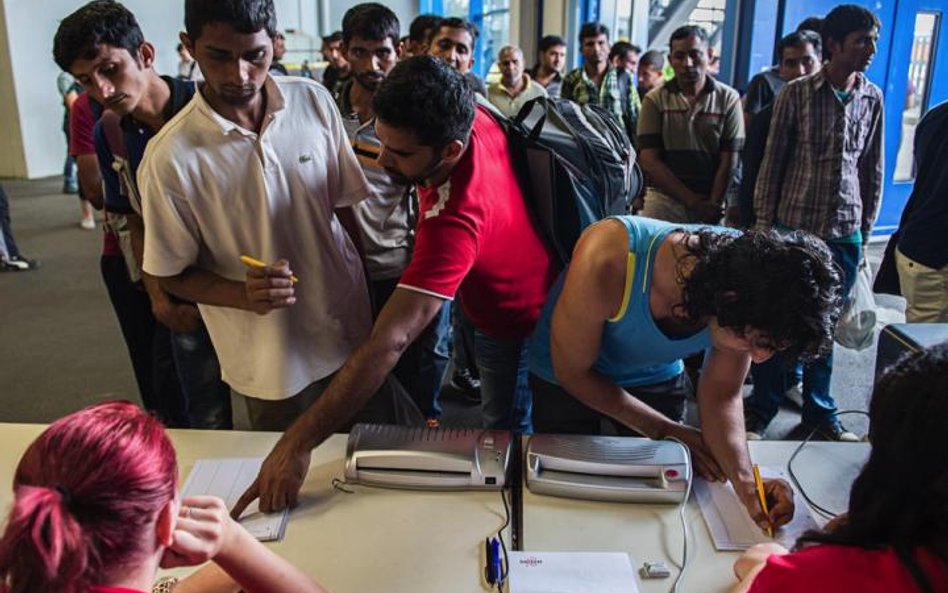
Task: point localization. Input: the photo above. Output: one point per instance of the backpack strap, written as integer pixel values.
(115, 138)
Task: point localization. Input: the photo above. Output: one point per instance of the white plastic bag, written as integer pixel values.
(858, 324)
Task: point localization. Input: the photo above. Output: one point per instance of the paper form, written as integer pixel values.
(228, 479)
(571, 572)
(730, 524)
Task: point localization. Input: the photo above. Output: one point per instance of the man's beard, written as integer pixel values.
(420, 179)
(369, 83)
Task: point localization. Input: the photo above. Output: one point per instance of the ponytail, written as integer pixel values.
(87, 493)
(43, 548)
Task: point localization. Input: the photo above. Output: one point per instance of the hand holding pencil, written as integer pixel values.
(775, 503)
(268, 287)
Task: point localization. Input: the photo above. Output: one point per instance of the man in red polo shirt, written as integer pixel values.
(475, 238)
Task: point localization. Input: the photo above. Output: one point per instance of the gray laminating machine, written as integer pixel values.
(428, 458)
(622, 469)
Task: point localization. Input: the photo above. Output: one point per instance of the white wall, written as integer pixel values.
(29, 41)
(12, 161)
(29, 100)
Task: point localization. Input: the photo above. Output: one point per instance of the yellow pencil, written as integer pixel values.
(259, 264)
(763, 499)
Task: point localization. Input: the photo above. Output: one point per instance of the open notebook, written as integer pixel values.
(228, 479)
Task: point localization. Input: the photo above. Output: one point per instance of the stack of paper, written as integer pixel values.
(228, 479)
(730, 524)
(571, 572)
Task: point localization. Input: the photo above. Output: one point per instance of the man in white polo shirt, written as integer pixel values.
(258, 166)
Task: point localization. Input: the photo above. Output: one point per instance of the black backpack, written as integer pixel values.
(575, 165)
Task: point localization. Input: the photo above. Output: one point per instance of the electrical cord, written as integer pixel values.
(495, 572)
(503, 545)
(684, 522)
(793, 477)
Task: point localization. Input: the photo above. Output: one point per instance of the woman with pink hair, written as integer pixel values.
(96, 511)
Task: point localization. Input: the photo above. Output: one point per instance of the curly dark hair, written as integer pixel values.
(899, 498)
(99, 22)
(784, 285)
(425, 95)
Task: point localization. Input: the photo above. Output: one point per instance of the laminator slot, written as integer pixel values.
(424, 458)
(621, 469)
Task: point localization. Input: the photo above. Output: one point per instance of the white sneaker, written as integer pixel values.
(88, 223)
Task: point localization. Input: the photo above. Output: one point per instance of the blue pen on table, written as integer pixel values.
(494, 569)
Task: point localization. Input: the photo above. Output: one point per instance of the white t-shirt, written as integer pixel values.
(213, 191)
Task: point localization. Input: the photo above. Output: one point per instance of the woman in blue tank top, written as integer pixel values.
(641, 294)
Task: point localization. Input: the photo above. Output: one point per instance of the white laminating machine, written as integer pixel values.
(624, 469)
(426, 458)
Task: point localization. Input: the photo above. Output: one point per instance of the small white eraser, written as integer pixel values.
(654, 570)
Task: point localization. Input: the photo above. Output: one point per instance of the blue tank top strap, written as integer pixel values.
(645, 235)
(634, 350)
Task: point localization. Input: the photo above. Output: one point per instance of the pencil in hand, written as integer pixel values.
(256, 263)
(763, 500)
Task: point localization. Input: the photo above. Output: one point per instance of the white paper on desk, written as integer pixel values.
(731, 526)
(228, 479)
(571, 572)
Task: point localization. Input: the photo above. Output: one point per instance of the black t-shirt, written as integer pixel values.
(925, 217)
(754, 145)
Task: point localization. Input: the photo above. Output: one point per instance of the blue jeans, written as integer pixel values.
(506, 400)
(771, 377)
(421, 368)
(207, 396)
(7, 244)
(434, 345)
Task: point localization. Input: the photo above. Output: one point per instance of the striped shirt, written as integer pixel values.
(579, 88)
(692, 136)
(822, 168)
(387, 218)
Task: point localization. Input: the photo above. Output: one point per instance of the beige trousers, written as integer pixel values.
(925, 289)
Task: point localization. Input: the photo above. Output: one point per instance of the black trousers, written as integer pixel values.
(148, 343)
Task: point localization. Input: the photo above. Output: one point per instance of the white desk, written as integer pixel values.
(653, 532)
(372, 540)
(420, 542)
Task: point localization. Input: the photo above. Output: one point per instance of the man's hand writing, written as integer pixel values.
(779, 497)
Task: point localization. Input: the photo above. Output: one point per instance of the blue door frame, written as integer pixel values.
(896, 193)
(761, 27)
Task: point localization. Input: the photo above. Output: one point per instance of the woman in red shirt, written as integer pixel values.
(96, 511)
(895, 535)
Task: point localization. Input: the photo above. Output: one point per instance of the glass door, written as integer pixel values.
(918, 52)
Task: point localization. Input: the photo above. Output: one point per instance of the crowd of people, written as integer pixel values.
(295, 256)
